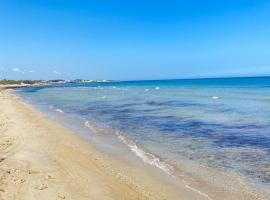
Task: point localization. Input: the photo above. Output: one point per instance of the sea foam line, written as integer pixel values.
(59, 110)
(198, 191)
(146, 156)
(88, 125)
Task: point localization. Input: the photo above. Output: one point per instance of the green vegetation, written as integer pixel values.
(18, 82)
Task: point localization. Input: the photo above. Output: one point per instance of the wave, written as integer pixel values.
(59, 110)
(146, 156)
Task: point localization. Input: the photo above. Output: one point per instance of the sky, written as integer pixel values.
(134, 39)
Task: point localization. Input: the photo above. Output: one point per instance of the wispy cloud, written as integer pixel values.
(23, 71)
(56, 72)
(15, 69)
(18, 70)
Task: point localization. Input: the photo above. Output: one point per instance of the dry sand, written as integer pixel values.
(41, 159)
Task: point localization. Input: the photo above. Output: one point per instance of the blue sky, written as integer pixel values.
(134, 39)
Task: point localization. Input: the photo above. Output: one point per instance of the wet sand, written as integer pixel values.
(41, 159)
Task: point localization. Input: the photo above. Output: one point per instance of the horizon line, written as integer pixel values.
(165, 79)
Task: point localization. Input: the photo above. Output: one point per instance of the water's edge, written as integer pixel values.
(209, 182)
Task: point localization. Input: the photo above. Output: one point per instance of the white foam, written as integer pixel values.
(198, 191)
(59, 110)
(145, 156)
(87, 124)
(146, 90)
(215, 97)
(157, 88)
(99, 88)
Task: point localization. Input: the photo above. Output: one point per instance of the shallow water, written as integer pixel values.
(222, 124)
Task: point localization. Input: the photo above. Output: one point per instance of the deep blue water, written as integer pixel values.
(221, 123)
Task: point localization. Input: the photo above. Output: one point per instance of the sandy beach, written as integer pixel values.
(41, 159)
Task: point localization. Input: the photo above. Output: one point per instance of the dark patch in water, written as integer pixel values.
(172, 103)
(222, 135)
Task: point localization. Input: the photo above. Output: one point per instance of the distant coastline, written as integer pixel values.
(55, 81)
(9, 84)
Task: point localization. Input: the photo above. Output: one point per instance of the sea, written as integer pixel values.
(212, 133)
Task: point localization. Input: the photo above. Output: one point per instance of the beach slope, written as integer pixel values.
(41, 159)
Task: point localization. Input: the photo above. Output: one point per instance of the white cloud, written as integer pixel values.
(15, 69)
(23, 71)
(18, 70)
(56, 72)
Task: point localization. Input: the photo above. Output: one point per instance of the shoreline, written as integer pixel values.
(41, 159)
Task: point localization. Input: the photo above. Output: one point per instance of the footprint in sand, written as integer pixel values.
(61, 196)
(41, 187)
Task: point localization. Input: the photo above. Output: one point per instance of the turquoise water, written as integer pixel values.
(222, 124)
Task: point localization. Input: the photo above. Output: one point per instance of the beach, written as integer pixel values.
(41, 159)
(134, 100)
